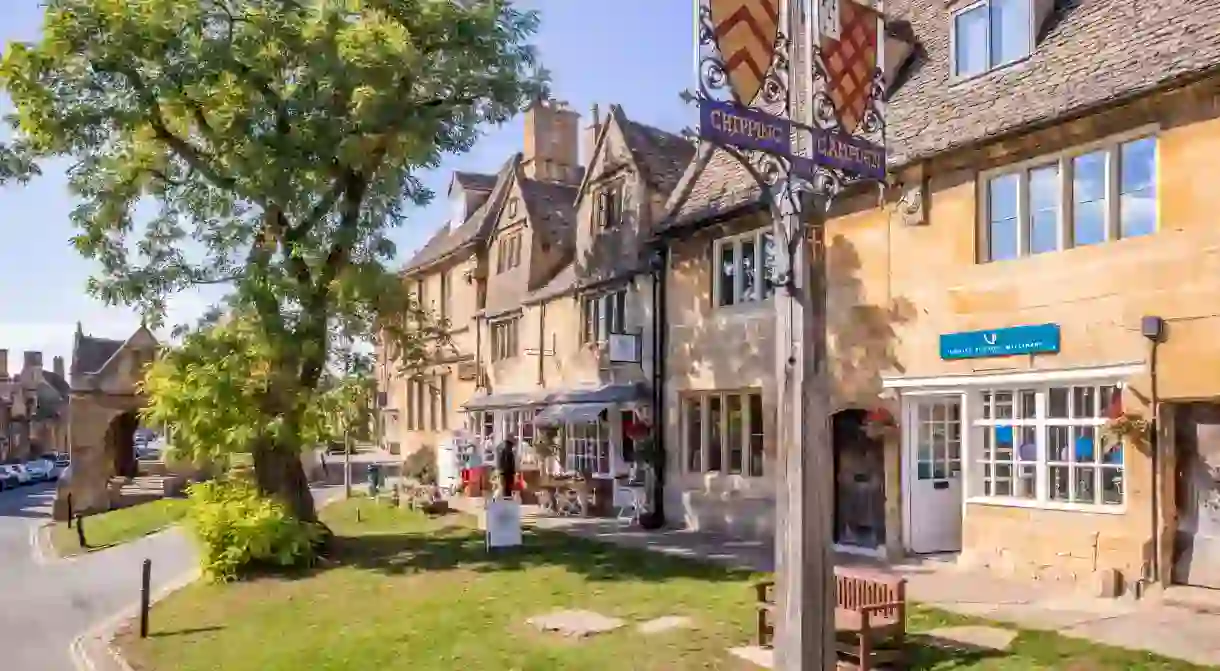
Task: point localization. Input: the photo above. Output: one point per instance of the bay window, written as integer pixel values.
(588, 449)
(1046, 445)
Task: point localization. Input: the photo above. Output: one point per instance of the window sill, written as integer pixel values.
(743, 308)
(1000, 502)
(962, 80)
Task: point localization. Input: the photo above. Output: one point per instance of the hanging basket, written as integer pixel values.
(880, 424)
(1129, 428)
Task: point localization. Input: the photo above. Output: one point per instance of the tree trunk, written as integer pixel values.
(280, 475)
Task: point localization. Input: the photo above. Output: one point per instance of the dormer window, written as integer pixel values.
(609, 205)
(991, 33)
(457, 207)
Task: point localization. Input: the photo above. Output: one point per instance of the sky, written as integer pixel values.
(635, 53)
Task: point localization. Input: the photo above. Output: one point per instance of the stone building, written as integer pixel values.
(548, 290)
(103, 415)
(1042, 265)
(33, 408)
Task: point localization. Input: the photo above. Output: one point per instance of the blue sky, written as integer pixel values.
(636, 53)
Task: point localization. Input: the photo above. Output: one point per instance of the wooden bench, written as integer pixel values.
(870, 616)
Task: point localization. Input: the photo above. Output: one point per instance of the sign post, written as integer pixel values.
(794, 90)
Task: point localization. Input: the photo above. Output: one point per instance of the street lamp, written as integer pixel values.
(782, 98)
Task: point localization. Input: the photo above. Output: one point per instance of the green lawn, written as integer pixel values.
(118, 526)
(409, 593)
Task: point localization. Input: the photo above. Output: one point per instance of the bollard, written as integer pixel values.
(145, 584)
(80, 530)
(357, 513)
(69, 511)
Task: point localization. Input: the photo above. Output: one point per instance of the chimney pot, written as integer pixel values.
(3, 363)
(57, 365)
(32, 359)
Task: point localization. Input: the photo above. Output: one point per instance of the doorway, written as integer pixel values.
(932, 446)
(120, 445)
(859, 467)
(1196, 547)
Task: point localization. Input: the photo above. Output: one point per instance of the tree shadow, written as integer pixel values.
(923, 651)
(458, 547)
(183, 632)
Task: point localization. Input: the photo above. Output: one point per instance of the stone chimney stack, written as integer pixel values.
(31, 369)
(3, 364)
(590, 132)
(57, 365)
(552, 142)
(32, 360)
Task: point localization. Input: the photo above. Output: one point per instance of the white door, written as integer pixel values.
(933, 438)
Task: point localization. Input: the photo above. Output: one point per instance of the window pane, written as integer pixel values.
(1002, 218)
(1137, 161)
(620, 312)
(1009, 30)
(1086, 488)
(1058, 439)
(1057, 403)
(1089, 196)
(1112, 486)
(1084, 402)
(1060, 484)
(756, 435)
(768, 265)
(749, 280)
(725, 276)
(714, 444)
(1003, 404)
(694, 429)
(1044, 209)
(970, 42)
(734, 437)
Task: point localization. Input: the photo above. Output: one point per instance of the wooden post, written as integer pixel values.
(145, 586)
(80, 530)
(804, 562)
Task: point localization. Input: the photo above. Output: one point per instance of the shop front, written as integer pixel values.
(576, 447)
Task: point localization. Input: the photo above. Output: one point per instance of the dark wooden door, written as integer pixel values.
(859, 463)
(1197, 542)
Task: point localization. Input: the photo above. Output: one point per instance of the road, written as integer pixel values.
(45, 605)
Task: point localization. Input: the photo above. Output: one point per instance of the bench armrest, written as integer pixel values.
(872, 608)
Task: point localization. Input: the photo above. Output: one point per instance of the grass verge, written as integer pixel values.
(408, 592)
(118, 526)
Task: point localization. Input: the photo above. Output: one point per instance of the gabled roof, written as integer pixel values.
(1090, 53)
(91, 355)
(660, 157)
(473, 181)
(551, 208)
(476, 226)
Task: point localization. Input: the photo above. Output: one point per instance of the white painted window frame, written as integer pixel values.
(758, 237)
(588, 449)
(1031, 32)
(1042, 463)
(1112, 145)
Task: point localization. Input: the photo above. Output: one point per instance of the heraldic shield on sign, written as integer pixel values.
(745, 71)
(745, 32)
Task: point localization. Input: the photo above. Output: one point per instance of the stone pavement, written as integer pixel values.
(1150, 624)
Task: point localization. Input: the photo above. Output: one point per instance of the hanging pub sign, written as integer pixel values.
(743, 49)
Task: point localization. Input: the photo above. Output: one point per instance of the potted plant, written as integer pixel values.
(1127, 427)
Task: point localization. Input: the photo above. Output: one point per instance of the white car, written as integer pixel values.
(23, 476)
(39, 470)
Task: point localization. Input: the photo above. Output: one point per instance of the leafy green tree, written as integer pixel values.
(268, 145)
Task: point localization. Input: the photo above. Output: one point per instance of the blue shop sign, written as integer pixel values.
(1030, 339)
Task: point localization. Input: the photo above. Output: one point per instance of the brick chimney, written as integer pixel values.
(57, 365)
(552, 142)
(588, 138)
(3, 363)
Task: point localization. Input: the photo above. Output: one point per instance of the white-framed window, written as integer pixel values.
(602, 315)
(504, 339)
(1094, 194)
(723, 432)
(744, 267)
(1045, 445)
(609, 204)
(588, 448)
(991, 33)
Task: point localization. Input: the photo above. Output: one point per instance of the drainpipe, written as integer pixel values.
(541, 341)
(657, 263)
(1153, 328)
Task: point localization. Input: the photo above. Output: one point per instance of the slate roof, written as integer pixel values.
(661, 155)
(57, 382)
(475, 181)
(551, 208)
(1090, 53)
(90, 353)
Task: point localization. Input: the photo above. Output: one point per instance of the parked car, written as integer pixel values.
(39, 470)
(23, 476)
(8, 479)
(58, 464)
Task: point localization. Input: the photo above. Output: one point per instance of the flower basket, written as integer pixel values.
(1128, 427)
(880, 424)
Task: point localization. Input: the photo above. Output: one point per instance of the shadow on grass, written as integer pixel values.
(458, 546)
(929, 652)
(183, 632)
